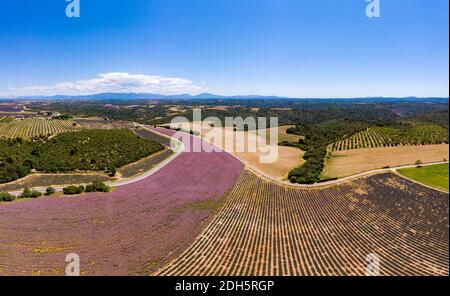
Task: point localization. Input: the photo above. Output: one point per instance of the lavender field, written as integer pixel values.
(132, 230)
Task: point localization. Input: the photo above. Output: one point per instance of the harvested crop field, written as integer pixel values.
(100, 123)
(347, 163)
(268, 229)
(44, 180)
(131, 230)
(282, 134)
(287, 158)
(144, 165)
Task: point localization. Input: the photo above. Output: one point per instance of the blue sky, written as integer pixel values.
(297, 48)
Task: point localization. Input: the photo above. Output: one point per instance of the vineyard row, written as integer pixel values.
(31, 127)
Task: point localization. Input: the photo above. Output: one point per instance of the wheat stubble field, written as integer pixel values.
(251, 147)
(350, 162)
(269, 229)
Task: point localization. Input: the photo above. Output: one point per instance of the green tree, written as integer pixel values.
(27, 193)
(50, 191)
(6, 197)
(73, 190)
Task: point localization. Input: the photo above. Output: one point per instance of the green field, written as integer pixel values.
(433, 175)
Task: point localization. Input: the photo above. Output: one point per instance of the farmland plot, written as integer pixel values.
(4, 120)
(31, 127)
(377, 137)
(287, 157)
(100, 123)
(44, 180)
(350, 162)
(267, 229)
(131, 230)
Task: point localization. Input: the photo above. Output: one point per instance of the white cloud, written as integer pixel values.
(111, 82)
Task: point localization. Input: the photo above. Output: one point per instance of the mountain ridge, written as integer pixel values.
(152, 96)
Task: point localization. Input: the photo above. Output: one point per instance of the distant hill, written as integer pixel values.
(140, 96)
(150, 96)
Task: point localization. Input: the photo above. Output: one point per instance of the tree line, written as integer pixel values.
(316, 139)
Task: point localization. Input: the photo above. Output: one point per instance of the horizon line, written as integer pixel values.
(32, 97)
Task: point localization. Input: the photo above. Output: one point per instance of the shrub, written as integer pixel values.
(97, 186)
(73, 190)
(327, 180)
(27, 193)
(50, 191)
(4, 196)
(112, 171)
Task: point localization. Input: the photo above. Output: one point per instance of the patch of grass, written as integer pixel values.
(433, 175)
(49, 250)
(152, 265)
(202, 205)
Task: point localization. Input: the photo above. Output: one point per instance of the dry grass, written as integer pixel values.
(283, 135)
(219, 108)
(346, 163)
(288, 157)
